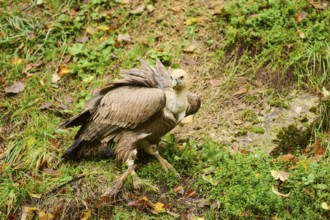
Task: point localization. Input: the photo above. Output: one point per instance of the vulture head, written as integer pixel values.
(180, 79)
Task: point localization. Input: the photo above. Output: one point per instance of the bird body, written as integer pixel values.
(134, 113)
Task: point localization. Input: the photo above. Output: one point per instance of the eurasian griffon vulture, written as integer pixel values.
(134, 112)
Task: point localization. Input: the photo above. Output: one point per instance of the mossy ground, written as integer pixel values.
(232, 69)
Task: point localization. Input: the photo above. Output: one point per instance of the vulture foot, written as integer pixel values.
(166, 165)
(116, 189)
(138, 183)
(153, 150)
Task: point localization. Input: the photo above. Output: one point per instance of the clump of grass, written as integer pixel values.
(250, 116)
(285, 36)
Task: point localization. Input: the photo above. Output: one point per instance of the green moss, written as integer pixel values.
(269, 91)
(250, 116)
(291, 139)
(250, 98)
(258, 130)
(276, 102)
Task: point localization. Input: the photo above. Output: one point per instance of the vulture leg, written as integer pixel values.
(130, 170)
(153, 150)
(115, 190)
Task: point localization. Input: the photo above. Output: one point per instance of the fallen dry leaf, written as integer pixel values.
(34, 195)
(308, 192)
(325, 206)
(144, 202)
(179, 189)
(90, 30)
(31, 36)
(31, 66)
(104, 38)
(286, 158)
(103, 28)
(190, 49)
(203, 202)
(55, 78)
(159, 207)
(317, 5)
(301, 16)
(86, 214)
(63, 70)
(301, 34)
(190, 193)
(124, 38)
(238, 122)
(28, 213)
(16, 60)
(82, 39)
(67, 58)
(240, 92)
(45, 106)
(52, 172)
(72, 12)
(318, 149)
(234, 149)
(45, 216)
(215, 82)
(139, 9)
(26, 70)
(316, 158)
(187, 61)
(283, 176)
(176, 8)
(126, 1)
(15, 88)
(195, 20)
(280, 194)
(254, 16)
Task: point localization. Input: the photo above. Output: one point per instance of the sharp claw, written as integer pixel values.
(166, 166)
(137, 183)
(115, 190)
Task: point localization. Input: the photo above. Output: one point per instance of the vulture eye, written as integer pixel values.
(181, 77)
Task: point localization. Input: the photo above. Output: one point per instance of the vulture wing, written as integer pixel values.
(122, 107)
(194, 103)
(148, 77)
(128, 106)
(82, 118)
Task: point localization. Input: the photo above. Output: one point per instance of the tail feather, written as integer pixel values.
(76, 120)
(73, 150)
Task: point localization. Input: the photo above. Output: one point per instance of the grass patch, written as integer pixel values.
(39, 38)
(284, 36)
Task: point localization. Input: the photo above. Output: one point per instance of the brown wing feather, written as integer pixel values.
(83, 117)
(194, 103)
(129, 106)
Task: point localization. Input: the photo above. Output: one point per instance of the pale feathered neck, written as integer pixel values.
(180, 92)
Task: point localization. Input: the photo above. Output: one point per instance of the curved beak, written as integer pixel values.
(174, 83)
